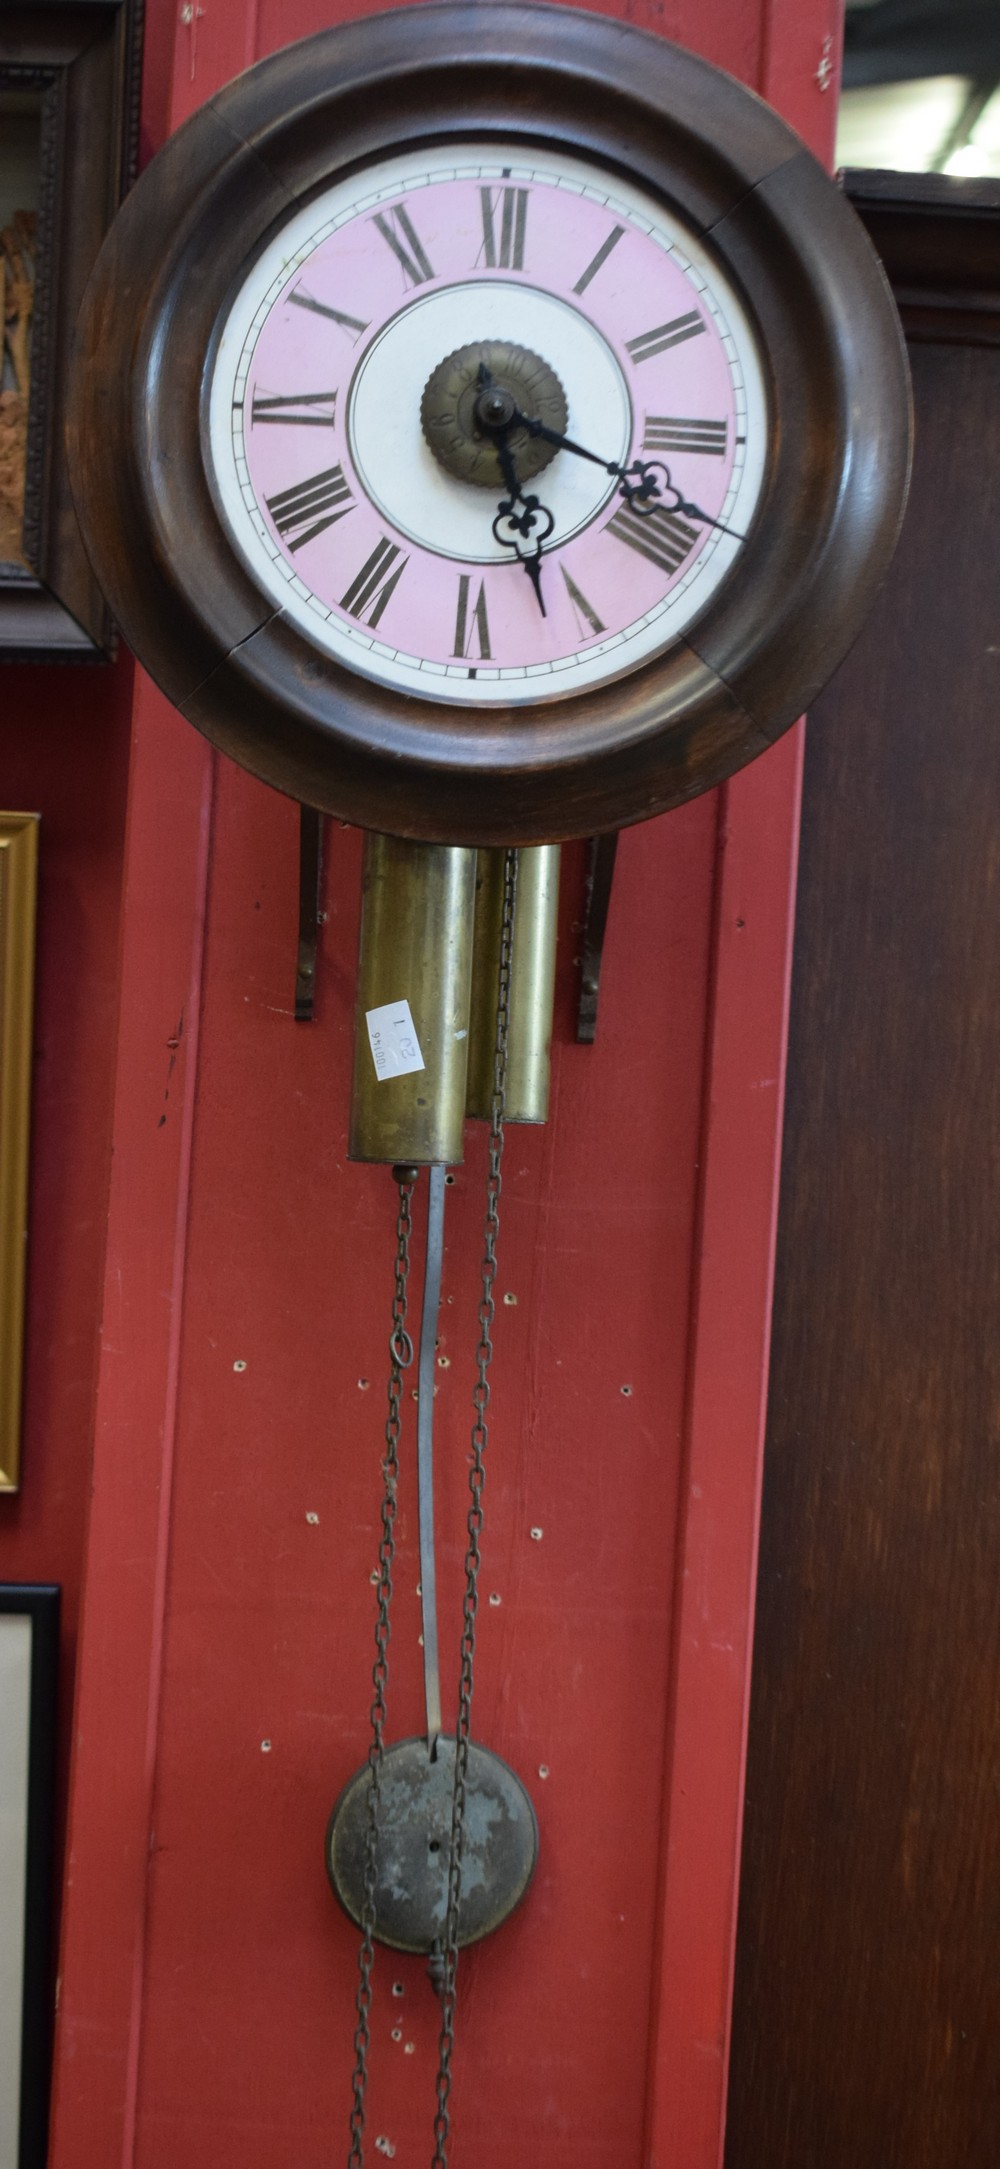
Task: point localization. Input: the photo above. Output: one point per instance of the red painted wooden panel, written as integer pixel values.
(720, 1489)
(208, 1977)
(117, 1700)
(270, 1616)
(64, 740)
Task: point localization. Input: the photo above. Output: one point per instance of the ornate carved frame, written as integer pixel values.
(83, 61)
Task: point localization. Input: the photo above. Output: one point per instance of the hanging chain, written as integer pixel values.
(481, 1399)
(400, 1357)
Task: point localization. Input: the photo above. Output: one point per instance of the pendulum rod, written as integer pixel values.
(425, 1453)
(480, 1398)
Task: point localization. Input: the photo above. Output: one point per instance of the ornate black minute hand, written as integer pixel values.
(646, 493)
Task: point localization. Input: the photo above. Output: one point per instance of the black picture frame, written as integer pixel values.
(78, 65)
(39, 1602)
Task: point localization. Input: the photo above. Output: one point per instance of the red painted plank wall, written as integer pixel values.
(64, 748)
(207, 1978)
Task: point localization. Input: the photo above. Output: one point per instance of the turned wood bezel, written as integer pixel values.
(836, 473)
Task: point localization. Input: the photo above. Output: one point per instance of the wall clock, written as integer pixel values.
(289, 476)
(491, 426)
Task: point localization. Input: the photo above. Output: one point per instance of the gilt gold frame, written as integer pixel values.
(18, 882)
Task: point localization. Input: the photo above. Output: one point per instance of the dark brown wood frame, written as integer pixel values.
(82, 57)
(40, 1601)
(936, 235)
(833, 493)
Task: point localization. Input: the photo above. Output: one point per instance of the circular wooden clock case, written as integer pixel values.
(276, 431)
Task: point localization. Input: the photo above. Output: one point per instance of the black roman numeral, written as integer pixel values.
(663, 537)
(295, 407)
(353, 325)
(311, 506)
(507, 252)
(671, 433)
(656, 342)
(375, 583)
(583, 611)
(474, 621)
(596, 261)
(397, 228)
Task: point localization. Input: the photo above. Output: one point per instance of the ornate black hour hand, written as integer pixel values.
(645, 494)
(522, 536)
(522, 524)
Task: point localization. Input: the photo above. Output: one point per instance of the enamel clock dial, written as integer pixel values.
(490, 423)
(331, 383)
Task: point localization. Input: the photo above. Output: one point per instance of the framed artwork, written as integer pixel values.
(29, 1652)
(69, 85)
(18, 880)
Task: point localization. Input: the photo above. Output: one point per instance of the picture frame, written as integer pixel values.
(18, 885)
(29, 1662)
(69, 105)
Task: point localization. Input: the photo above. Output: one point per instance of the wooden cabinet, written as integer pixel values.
(868, 1996)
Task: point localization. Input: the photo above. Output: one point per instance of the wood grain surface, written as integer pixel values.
(868, 1992)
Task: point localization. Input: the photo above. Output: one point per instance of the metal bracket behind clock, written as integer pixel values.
(310, 881)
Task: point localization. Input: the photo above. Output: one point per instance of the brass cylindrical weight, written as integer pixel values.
(411, 1031)
(532, 983)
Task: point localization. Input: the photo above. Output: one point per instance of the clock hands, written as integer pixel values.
(522, 523)
(646, 494)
